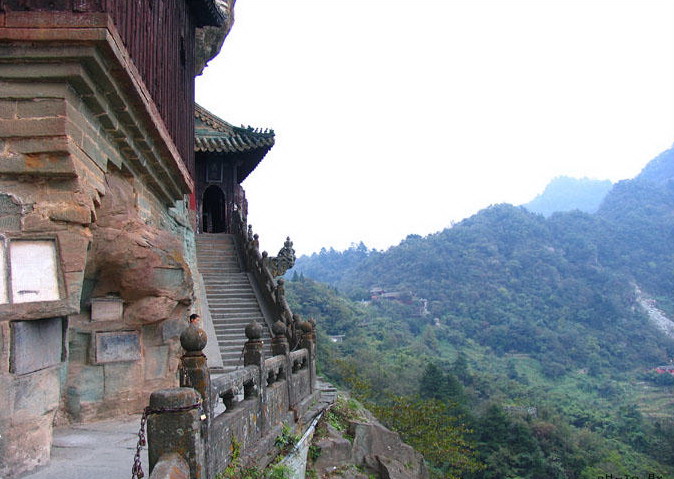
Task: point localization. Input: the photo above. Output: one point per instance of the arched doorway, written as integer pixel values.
(213, 218)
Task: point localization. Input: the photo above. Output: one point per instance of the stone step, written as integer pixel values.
(234, 307)
(228, 296)
(220, 279)
(228, 307)
(231, 298)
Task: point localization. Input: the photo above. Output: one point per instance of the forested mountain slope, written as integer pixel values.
(523, 311)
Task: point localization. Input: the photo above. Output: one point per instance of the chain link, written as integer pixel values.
(137, 469)
(187, 381)
(238, 364)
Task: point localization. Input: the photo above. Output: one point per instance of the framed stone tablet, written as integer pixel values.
(33, 271)
(116, 346)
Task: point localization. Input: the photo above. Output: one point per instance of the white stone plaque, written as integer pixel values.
(107, 309)
(3, 274)
(34, 273)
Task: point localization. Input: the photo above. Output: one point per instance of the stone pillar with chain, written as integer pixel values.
(170, 411)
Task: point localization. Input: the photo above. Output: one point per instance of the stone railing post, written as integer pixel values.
(194, 369)
(174, 426)
(309, 343)
(280, 346)
(253, 355)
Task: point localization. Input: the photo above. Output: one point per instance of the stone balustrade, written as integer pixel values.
(265, 270)
(244, 409)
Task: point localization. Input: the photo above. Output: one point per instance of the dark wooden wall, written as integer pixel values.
(159, 35)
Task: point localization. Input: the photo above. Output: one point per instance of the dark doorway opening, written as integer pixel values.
(213, 217)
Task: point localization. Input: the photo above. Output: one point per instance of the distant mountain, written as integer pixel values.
(638, 228)
(504, 273)
(567, 194)
(525, 313)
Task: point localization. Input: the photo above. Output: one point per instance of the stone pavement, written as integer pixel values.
(100, 450)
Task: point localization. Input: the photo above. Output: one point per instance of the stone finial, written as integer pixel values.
(279, 328)
(254, 331)
(193, 339)
(305, 326)
(250, 232)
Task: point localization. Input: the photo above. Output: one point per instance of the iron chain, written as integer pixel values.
(137, 469)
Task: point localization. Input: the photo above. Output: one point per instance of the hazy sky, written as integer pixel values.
(397, 117)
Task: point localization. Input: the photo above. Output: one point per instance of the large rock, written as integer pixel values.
(209, 40)
(335, 451)
(364, 446)
(138, 262)
(381, 449)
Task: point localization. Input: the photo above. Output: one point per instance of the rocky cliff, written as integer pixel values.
(350, 443)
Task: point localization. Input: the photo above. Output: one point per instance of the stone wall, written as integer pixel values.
(93, 213)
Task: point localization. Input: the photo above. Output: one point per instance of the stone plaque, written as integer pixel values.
(35, 344)
(34, 273)
(116, 346)
(107, 309)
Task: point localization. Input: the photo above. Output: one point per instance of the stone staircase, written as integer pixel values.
(231, 297)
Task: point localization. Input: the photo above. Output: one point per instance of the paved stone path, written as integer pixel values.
(98, 450)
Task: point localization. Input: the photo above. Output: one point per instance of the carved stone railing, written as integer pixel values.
(267, 271)
(244, 408)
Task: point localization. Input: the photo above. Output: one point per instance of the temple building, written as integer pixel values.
(101, 196)
(225, 156)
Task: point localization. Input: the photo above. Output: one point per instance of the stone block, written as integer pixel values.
(115, 346)
(73, 248)
(37, 223)
(52, 144)
(74, 281)
(119, 378)
(78, 347)
(70, 213)
(39, 164)
(36, 394)
(88, 385)
(40, 108)
(36, 344)
(28, 90)
(156, 362)
(107, 309)
(25, 446)
(33, 127)
(7, 109)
